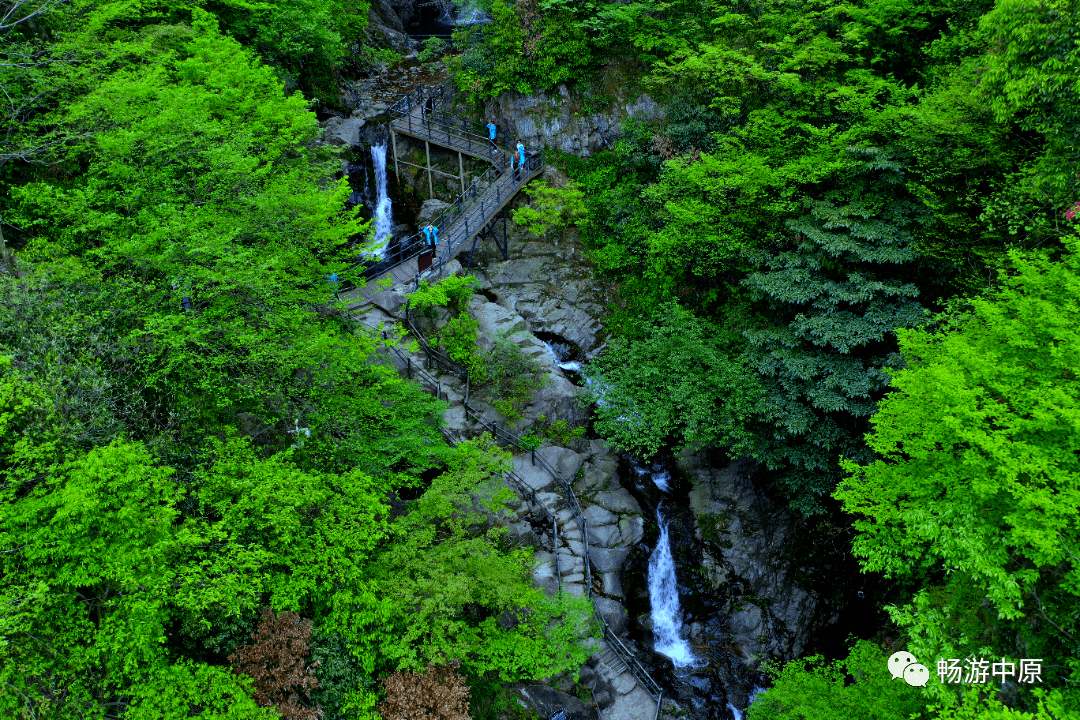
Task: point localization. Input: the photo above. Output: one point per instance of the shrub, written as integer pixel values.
(513, 377)
(276, 663)
(434, 48)
(438, 694)
(453, 292)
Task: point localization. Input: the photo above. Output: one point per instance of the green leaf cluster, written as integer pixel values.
(192, 427)
(976, 489)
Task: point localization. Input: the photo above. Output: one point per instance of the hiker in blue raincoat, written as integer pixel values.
(521, 159)
(491, 138)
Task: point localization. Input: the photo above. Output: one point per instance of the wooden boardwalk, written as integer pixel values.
(447, 132)
(473, 211)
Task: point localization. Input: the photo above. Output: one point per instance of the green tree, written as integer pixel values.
(977, 489)
(859, 687)
(550, 208)
(678, 382)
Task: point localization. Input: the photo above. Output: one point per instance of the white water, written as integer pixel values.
(735, 712)
(471, 14)
(572, 365)
(664, 598)
(660, 477)
(384, 218)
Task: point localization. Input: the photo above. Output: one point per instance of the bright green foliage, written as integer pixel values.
(823, 173)
(458, 339)
(534, 47)
(1051, 705)
(308, 40)
(165, 471)
(861, 688)
(268, 538)
(550, 208)
(808, 689)
(452, 292)
(979, 475)
(511, 377)
(174, 692)
(434, 48)
(443, 589)
(1031, 78)
(676, 384)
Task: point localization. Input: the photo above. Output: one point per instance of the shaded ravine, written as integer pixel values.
(672, 611)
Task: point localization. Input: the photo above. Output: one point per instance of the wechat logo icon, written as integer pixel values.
(904, 665)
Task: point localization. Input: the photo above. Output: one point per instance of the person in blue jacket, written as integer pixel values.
(521, 156)
(491, 138)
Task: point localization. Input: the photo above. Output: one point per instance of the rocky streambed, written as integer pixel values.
(752, 581)
(744, 594)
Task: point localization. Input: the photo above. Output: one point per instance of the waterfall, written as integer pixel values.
(660, 477)
(384, 219)
(664, 598)
(471, 14)
(558, 353)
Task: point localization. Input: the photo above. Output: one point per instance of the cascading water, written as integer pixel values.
(384, 219)
(558, 352)
(471, 14)
(736, 712)
(660, 477)
(664, 598)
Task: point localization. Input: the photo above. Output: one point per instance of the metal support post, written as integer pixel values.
(555, 549)
(393, 141)
(461, 171)
(427, 149)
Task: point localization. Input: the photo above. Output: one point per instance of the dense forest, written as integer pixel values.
(848, 251)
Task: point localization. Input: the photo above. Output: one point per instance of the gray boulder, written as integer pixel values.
(613, 612)
(343, 131)
(429, 211)
(597, 516)
(608, 559)
(618, 501)
(546, 701)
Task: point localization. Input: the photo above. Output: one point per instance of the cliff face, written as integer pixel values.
(556, 119)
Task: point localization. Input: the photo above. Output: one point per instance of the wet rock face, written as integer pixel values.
(745, 534)
(385, 22)
(549, 285)
(547, 701)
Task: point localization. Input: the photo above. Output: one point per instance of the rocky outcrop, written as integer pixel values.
(745, 534)
(554, 119)
(548, 701)
(385, 23)
(343, 131)
(430, 210)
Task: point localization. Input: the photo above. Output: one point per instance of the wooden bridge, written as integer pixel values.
(473, 213)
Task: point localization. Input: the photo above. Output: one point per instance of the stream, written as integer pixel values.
(673, 610)
(664, 598)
